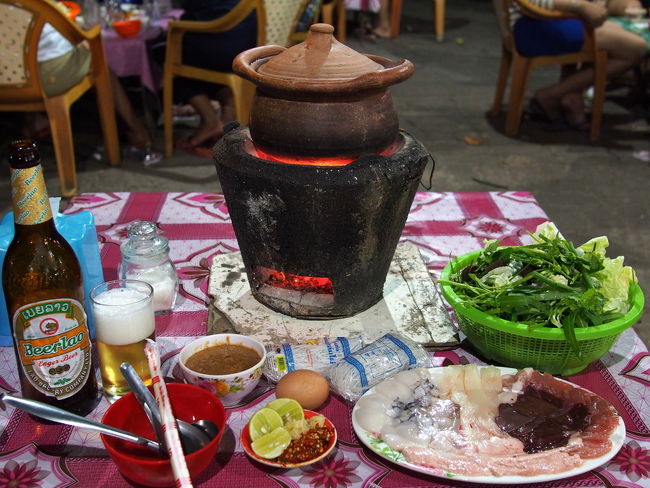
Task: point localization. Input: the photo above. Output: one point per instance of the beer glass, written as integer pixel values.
(124, 319)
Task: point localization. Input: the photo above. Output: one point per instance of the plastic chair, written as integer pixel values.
(328, 9)
(438, 18)
(281, 20)
(21, 89)
(242, 89)
(522, 66)
(276, 20)
(324, 12)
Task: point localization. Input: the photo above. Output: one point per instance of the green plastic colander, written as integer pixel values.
(544, 348)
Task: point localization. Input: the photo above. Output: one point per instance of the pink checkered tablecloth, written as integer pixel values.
(198, 227)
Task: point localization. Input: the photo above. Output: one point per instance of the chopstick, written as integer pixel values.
(176, 455)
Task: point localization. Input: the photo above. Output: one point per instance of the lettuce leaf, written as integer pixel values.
(546, 229)
(597, 245)
(615, 281)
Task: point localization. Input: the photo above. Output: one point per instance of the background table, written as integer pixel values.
(131, 57)
(440, 224)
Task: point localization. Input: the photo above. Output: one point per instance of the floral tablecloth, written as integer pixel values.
(198, 227)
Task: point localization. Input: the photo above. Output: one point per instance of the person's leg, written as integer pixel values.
(227, 104)
(382, 28)
(211, 126)
(616, 8)
(573, 108)
(137, 133)
(625, 49)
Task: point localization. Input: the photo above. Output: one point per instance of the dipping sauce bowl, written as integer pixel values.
(143, 466)
(232, 387)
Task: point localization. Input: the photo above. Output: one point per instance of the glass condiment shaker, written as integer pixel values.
(145, 256)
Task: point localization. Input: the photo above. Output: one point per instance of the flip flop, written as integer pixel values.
(582, 126)
(199, 151)
(536, 112)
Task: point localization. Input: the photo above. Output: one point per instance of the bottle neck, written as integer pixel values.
(29, 196)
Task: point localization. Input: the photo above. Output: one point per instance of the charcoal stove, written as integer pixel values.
(320, 183)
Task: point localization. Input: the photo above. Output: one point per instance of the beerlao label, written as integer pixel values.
(29, 196)
(53, 345)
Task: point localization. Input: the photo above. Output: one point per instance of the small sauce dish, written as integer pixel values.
(214, 372)
(246, 443)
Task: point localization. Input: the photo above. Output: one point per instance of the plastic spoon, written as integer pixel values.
(61, 416)
(193, 437)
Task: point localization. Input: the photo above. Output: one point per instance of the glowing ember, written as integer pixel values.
(323, 161)
(305, 284)
(305, 160)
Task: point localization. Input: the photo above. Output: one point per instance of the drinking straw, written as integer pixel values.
(175, 450)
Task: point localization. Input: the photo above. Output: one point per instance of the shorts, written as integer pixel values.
(60, 74)
(536, 37)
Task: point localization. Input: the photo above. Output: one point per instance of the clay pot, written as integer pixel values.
(320, 97)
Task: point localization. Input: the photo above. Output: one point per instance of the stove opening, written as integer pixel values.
(291, 288)
(256, 151)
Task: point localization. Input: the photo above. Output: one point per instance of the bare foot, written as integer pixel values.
(138, 138)
(205, 134)
(550, 105)
(573, 107)
(382, 32)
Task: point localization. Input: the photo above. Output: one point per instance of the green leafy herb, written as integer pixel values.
(549, 283)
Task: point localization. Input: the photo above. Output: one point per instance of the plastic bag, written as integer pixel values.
(359, 372)
(318, 355)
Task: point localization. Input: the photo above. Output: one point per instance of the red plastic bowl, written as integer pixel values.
(73, 9)
(143, 466)
(127, 28)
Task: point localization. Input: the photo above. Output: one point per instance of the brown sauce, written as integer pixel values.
(223, 359)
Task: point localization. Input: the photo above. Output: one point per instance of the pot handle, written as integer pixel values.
(245, 62)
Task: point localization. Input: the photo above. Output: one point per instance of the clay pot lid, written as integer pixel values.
(320, 58)
(319, 65)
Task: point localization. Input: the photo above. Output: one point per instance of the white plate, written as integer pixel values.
(382, 449)
(641, 24)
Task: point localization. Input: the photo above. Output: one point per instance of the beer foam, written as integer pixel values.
(123, 316)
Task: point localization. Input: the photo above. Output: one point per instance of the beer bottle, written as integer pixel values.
(43, 289)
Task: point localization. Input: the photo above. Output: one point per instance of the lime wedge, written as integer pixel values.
(288, 408)
(270, 446)
(263, 422)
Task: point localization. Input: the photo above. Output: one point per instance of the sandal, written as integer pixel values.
(199, 151)
(536, 112)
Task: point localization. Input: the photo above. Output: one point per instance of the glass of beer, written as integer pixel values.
(124, 319)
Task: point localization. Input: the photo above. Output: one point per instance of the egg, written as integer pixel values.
(307, 387)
